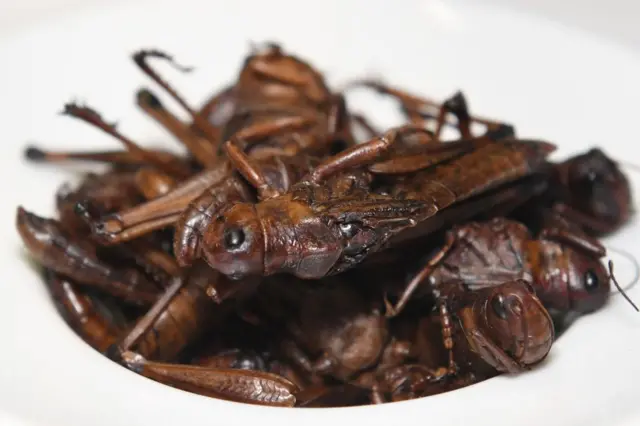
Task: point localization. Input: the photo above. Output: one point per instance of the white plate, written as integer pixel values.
(550, 81)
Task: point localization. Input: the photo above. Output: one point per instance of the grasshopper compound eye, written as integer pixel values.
(234, 238)
(497, 304)
(591, 281)
(588, 282)
(234, 244)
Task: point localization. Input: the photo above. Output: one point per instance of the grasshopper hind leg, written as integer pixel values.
(82, 313)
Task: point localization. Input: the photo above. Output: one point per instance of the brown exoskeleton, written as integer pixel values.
(345, 342)
(180, 320)
(106, 193)
(103, 193)
(137, 174)
(247, 349)
(177, 318)
(252, 361)
(281, 108)
(330, 221)
(396, 364)
(187, 317)
(97, 326)
(563, 265)
(397, 375)
(402, 382)
(233, 358)
(500, 329)
(589, 189)
(253, 387)
(74, 257)
(195, 302)
(504, 328)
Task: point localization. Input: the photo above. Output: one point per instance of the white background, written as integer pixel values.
(615, 19)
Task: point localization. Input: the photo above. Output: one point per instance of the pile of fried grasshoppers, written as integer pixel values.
(284, 261)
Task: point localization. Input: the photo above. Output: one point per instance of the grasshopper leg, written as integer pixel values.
(210, 131)
(80, 311)
(76, 258)
(146, 322)
(249, 170)
(262, 130)
(253, 387)
(447, 334)
(424, 273)
(91, 117)
(457, 105)
(414, 106)
(364, 154)
(36, 154)
(244, 165)
(157, 213)
(202, 150)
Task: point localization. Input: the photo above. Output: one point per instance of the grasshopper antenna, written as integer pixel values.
(632, 260)
(613, 278)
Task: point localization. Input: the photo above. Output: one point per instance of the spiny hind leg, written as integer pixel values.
(251, 387)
